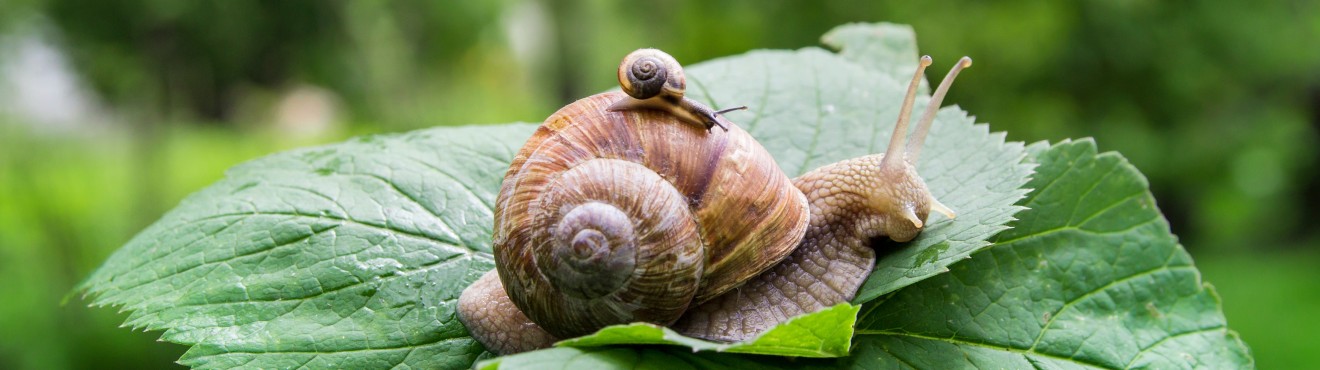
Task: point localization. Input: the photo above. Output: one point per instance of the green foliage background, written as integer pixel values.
(1217, 102)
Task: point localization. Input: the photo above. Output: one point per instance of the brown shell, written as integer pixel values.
(669, 79)
(743, 215)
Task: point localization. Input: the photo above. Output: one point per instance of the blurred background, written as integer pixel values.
(113, 111)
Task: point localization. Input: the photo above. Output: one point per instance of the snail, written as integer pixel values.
(610, 216)
(654, 80)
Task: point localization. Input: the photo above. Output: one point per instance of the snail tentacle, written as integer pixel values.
(923, 126)
(894, 154)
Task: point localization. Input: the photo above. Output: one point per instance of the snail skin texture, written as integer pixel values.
(617, 211)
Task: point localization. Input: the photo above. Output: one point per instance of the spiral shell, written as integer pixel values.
(614, 217)
(646, 73)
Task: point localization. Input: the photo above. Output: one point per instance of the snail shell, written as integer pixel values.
(648, 73)
(654, 80)
(610, 217)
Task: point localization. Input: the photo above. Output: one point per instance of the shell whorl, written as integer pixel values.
(647, 73)
(595, 260)
(593, 251)
(705, 213)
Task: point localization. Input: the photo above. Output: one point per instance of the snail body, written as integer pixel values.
(616, 211)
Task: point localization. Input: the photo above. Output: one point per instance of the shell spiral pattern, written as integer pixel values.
(647, 73)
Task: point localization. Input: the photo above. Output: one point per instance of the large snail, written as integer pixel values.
(622, 209)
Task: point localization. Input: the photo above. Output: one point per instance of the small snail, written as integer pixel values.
(609, 216)
(654, 80)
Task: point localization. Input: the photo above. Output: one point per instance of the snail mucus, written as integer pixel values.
(628, 208)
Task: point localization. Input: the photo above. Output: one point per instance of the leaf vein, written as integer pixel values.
(353, 350)
(439, 220)
(158, 278)
(462, 184)
(765, 97)
(1041, 190)
(1116, 204)
(1094, 185)
(1097, 290)
(167, 255)
(1171, 337)
(817, 129)
(405, 272)
(452, 245)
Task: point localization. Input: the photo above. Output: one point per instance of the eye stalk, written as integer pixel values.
(923, 126)
(654, 80)
(901, 157)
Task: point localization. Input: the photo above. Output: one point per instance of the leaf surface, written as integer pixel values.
(349, 255)
(1090, 277)
(885, 47)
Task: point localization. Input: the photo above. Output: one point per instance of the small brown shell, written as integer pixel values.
(701, 213)
(646, 73)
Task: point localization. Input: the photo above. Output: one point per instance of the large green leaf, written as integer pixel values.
(343, 256)
(1090, 277)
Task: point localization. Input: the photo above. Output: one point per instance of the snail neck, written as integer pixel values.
(869, 196)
